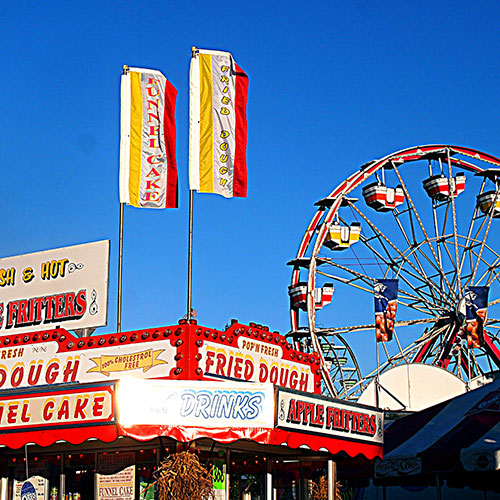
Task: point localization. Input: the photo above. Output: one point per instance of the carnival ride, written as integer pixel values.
(425, 216)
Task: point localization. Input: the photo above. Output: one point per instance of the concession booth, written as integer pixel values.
(86, 416)
(92, 417)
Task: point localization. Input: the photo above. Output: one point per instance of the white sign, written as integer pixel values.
(195, 403)
(48, 363)
(34, 488)
(65, 287)
(254, 361)
(119, 486)
(55, 407)
(330, 417)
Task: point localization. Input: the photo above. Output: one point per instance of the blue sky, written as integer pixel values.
(332, 86)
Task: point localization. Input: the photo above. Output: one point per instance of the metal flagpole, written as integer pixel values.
(190, 242)
(120, 265)
(190, 255)
(120, 254)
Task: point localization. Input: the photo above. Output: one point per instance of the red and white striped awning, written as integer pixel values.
(463, 432)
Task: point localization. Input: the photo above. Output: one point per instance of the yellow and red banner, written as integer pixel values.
(218, 125)
(148, 167)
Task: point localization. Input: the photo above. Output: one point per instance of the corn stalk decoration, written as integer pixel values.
(181, 476)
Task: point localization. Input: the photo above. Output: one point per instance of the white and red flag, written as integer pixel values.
(148, 166)
(218, 125)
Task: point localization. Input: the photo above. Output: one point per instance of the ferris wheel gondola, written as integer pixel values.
(428, 223)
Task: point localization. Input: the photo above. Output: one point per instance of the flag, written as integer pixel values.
(217, 125)
(476, 314)
(148, 167)
(386, 304)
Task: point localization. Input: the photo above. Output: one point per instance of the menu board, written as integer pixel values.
(119, 486)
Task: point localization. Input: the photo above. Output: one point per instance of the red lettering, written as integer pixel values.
(52, 372)
(150, 92)
(273, 375)
(49, 306)
(81, 303)
(3, 374)
(152, 184)
(221, 361)
(338, 423)
(237, 367)
(304, 377)
(248, 369)
(22, 313)
(69, 308)
(366, 423)
(152, 103)
(292, 412)
(48, 410)
(34, 376)
(209, 361)
(59, 306)
(152, 196)
(71, 369)
(12, 413)
(11, 313)
(320, 415)
(25, 416)
(329, 417)
(63, 411)
(80, 407)
(283, 376)
(97, 408)
(153, 173)
(263, 372)
(17, 376)
(154, 160)
(152, 116)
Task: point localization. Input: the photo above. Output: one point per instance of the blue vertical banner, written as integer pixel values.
(386, 304)
(476, 314)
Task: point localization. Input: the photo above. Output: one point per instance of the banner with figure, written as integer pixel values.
(217, 125)
(386, 304)
(476, 314)
(148, 166)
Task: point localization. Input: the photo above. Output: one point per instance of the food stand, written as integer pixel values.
(76, 409)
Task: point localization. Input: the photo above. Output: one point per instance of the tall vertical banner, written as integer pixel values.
(476, 314)
(148, 166)
(217, 125)
(386, 304)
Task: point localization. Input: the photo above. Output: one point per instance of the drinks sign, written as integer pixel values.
(65, 286)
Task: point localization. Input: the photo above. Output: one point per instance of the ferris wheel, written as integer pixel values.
(423, 220)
